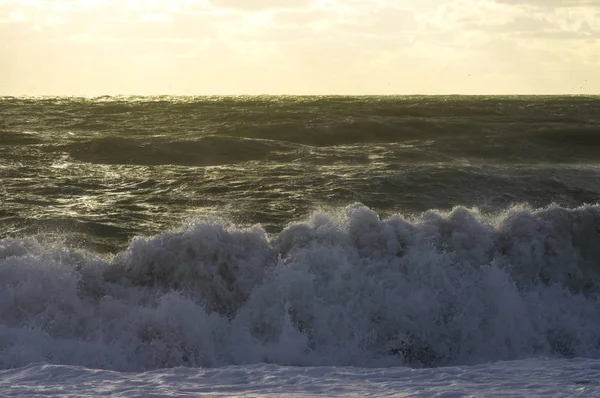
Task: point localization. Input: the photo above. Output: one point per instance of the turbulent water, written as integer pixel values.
(139, 233)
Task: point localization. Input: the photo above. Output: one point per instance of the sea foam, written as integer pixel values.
(343, 288)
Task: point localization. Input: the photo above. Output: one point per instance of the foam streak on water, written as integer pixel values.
(532, 378)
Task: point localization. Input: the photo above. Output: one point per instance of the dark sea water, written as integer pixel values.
(146, 232)
(103, 170)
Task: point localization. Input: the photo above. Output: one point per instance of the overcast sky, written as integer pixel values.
(93, 47)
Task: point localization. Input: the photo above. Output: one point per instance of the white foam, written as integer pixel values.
(343, 288)
(531, 378)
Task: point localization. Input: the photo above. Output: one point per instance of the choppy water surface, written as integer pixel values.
(139, 233)
(103, 170)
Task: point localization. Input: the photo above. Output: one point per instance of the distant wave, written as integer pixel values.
(583, 136)
(18, 138)
(217, 130)
(432, 143)
(342, 288)
(208, 150)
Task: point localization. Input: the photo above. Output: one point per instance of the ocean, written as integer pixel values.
(297, 246)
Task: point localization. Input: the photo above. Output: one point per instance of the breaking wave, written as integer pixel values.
(342, 288)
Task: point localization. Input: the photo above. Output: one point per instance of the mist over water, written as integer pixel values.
(147, 232)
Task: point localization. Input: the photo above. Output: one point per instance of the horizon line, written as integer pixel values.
(89, 96)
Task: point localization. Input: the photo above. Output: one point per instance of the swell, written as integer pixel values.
(512, 129)
(579, 137)
(431, 142)
(342, 288)
(14, 138)
(349, 131)
(208, 150)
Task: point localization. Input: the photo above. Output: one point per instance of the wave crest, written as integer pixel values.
(342, 288)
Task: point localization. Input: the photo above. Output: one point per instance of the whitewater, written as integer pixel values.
(256, 254)
(332, 294)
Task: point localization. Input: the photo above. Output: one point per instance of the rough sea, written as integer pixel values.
(298, 246)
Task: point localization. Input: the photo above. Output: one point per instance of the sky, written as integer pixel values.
(203, 47)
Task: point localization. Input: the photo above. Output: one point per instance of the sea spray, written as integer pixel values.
(343, 287)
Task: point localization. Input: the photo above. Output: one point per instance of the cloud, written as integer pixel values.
(261, 5)
(552, 3)
(344, 45)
